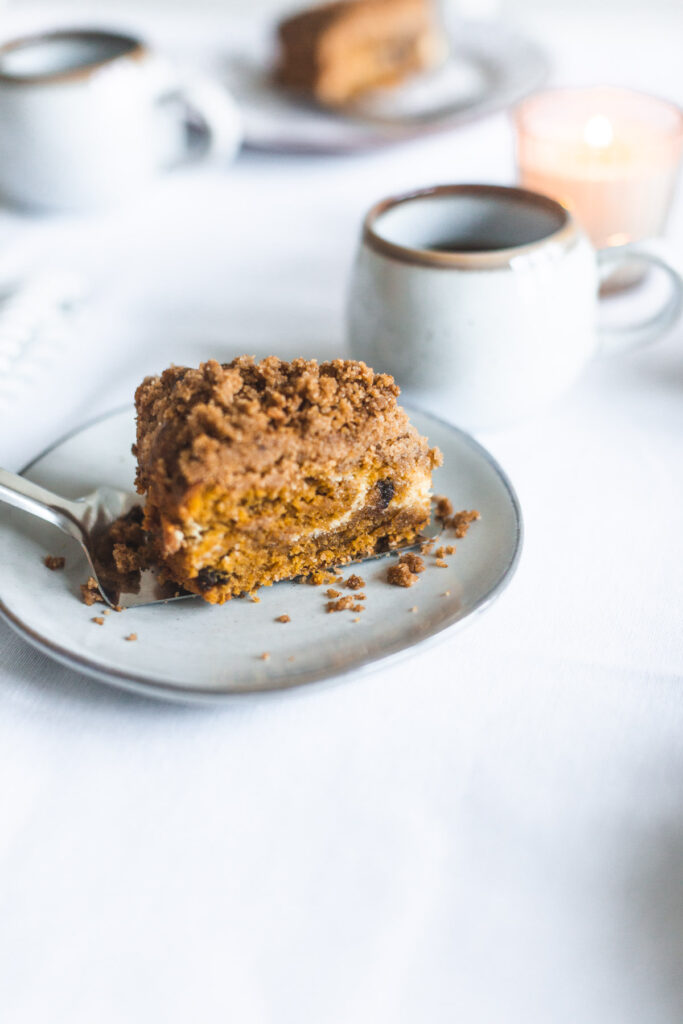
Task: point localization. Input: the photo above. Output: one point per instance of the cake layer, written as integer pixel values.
(260, 472)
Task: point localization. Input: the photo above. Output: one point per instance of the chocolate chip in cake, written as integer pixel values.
(386, 490)
(207, 578)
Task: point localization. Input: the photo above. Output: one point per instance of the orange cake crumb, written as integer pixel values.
(265, 656)
(131, 637)
(331, 592)
(54, 562)
(441, 563)
(283, 618)
(99, 620)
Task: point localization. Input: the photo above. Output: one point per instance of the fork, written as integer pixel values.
(85, 519)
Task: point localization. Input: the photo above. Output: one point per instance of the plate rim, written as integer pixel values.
(162, 689)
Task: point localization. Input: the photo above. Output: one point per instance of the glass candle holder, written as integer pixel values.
(610, 155)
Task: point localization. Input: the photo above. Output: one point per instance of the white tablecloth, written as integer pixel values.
(490, 832)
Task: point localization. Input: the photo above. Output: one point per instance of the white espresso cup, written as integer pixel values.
(482, 301)
(89, 117)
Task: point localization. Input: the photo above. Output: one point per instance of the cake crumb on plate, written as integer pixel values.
(283, 618)
(90, 592)
(340, 605)
(400, 575)
(54, 562)
(355, 582)
(444, 506)
(413, 561)
(131, 636)
(462, 521)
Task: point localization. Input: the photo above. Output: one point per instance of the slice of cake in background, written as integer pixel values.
(258, 472)
(338, 51)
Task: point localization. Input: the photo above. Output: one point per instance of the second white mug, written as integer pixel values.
(88, 117)
(481, 300)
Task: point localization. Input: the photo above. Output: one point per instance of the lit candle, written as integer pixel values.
(610, 155)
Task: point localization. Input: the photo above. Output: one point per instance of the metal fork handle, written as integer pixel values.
(29, 497)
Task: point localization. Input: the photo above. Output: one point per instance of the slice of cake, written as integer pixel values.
(337, 51)
(258, 472)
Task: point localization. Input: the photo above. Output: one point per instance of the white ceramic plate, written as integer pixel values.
(488, 68)
(189, 649)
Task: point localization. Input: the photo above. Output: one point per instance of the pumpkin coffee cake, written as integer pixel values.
(258, 472)
(335, 52)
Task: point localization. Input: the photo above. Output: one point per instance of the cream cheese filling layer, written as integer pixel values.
(416, 495)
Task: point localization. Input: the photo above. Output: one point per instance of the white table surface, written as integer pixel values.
(490, 832)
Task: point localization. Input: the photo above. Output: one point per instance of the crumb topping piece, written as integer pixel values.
(413, 561)
(355, 582)
(131, 637)
(443, 506)
(331, 592)
(54, 562)
(90, 592)
(99, 620)
(283, 618)
(441, 563)
(400, 575)
(342, 604)
(462, 521)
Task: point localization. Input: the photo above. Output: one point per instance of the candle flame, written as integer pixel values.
(598, 131)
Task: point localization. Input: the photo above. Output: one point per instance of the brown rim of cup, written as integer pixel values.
(136, 50)
(565, 235)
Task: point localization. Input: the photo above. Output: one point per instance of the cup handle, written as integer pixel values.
(205, 109)
(630, 336)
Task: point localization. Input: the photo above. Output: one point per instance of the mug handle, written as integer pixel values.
(630, 336)
(205, 108)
